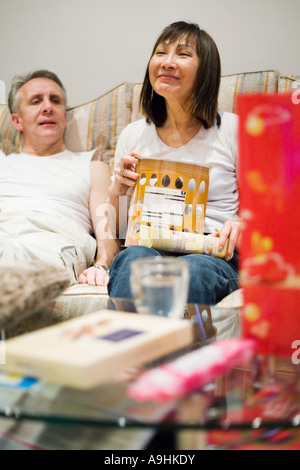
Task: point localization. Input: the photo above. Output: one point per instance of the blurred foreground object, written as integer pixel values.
(269, 162)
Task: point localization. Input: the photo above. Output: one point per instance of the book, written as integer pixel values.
(86, 351)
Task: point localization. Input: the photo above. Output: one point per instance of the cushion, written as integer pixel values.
(26, 288)
(100, 122)
(252, 82)
(11, 140)
(136, 112)
(80, 299)
(288, 83)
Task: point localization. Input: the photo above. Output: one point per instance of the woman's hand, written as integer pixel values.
(94, 277)
(125, 174)
(230, 231)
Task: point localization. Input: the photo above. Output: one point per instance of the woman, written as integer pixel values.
(179, 99)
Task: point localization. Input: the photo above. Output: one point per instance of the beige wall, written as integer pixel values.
(94, 45)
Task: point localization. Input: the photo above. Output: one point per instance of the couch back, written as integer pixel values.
(98, 123)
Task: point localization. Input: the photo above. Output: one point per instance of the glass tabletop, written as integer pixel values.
(260, 398)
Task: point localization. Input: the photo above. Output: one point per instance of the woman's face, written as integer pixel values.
(173, 69)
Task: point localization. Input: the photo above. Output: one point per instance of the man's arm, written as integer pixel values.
(104, 224)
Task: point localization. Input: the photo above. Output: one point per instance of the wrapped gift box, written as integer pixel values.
(269, 178)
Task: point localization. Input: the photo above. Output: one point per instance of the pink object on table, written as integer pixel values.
(192, 371)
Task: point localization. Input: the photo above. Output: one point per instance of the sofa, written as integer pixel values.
(97, 124)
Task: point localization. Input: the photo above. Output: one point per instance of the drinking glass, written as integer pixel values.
(160, 285)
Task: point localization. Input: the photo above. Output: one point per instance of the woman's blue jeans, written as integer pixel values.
(211, 279)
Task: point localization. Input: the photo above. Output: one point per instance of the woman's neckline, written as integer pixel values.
(181, 146)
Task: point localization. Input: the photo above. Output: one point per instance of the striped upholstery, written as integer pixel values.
(288, 83)
(98, 123)
(136, 111)
(10, 139)
(252, 82)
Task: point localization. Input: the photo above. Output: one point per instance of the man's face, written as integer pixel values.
(41, 116)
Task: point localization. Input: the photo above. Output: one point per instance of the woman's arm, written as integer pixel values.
(125, 178)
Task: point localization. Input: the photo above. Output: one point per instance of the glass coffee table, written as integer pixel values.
(250, 407)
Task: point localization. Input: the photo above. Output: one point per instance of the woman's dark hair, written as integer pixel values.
(207, 84)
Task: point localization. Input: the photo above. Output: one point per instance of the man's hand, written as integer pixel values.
(94, 277)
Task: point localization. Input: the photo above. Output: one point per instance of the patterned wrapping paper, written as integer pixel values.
(181, 242)
(269, 194)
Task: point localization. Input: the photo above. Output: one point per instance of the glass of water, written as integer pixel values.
(160, 285)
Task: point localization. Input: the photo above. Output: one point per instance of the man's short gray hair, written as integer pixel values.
(20, 80)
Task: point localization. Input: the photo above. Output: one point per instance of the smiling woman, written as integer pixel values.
(194, 51)
(179, 98)
(172, 72)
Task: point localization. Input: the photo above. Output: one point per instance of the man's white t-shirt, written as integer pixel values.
(215, 148)
(56, 185)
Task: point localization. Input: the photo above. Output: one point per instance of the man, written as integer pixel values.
(52, 200)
